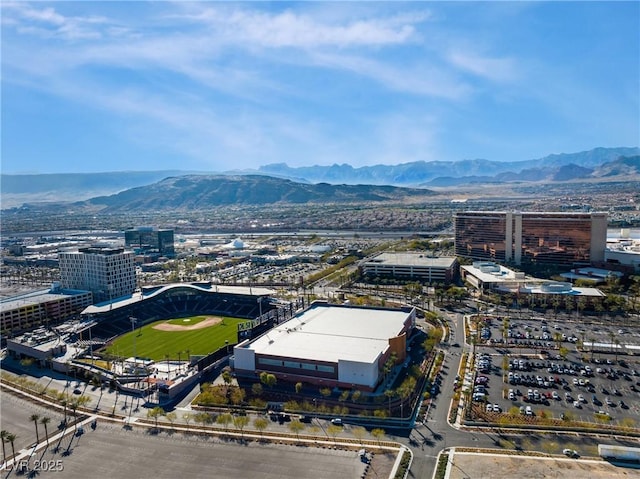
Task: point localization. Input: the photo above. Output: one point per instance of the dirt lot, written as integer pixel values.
(478, 466)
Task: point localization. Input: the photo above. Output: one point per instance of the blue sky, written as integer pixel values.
(216, 86)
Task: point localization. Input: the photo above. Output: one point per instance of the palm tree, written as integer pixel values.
(44, 421)
(74, 407)
(11, 438)
(62, 397)
(35, 418)
(390, 393)
(3, 437)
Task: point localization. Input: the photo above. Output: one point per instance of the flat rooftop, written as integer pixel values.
(33, 298)
(489, 272)
(140, 296)
(413, 259)
(331, 333)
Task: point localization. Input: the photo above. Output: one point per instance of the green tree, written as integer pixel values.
(62, 398)
(378, 434)
(155, 413)
(298, 387)
(359, 432)
(240, 422)
(203, 418)
(11, 438)
(44, 421)
(296, 426)
(186, 417)
(171, 417)
(237, 395)
(268, 379)
(225, 419)
(35, 418)
(3, 436)
(227, 378)
(389, 393)
(256, 389)
(326, 392)
(334, 430)
(260, 424)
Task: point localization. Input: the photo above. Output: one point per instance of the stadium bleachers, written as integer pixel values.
(176, 302)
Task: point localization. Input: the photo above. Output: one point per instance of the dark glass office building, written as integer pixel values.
(520, 238)
(147, 240)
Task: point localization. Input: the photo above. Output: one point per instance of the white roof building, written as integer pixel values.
(329, 344)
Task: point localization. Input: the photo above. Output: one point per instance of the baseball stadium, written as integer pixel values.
(186, 319)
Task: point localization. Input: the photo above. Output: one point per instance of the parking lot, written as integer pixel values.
(545, 372)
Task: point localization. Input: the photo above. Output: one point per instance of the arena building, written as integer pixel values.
(330, 345)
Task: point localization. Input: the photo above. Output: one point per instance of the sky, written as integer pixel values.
(210, 86)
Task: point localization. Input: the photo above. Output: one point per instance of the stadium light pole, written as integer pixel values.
(133, 327)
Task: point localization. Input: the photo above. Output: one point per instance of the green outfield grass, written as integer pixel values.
(154, 344)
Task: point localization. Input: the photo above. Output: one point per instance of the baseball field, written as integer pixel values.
(176, 338)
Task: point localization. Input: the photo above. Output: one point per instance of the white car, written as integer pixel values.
(570, 452)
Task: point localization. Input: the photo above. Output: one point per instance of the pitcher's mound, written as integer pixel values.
(210, 321)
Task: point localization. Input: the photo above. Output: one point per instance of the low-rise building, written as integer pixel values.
(330, 345)
(30, 310)
(409, 265)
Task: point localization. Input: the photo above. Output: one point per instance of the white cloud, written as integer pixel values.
(252, 28)
(417, 79)
(49, 23)
(496, 69)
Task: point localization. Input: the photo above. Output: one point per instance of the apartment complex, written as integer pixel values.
(525, 237)
(148, 240)
(107, 272)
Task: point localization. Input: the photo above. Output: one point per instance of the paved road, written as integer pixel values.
(426, 440)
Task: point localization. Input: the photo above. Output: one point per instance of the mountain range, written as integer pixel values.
(192, 192)
(279, 183)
